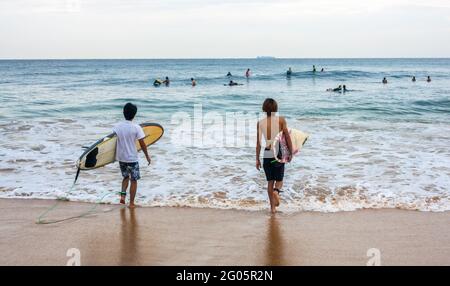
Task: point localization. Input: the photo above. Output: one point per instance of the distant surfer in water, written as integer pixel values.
(247, 73)
(428, 79)
(289, 72)
(274, 170)
(413, 79)
(193, 82)
(322, 70)
(232, 83)
(337, 89)
(126, 153)
(314, 69)
(384, 81)
(229, 74)
(166, 81)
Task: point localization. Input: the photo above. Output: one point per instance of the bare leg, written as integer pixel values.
(133, 189)
(276, 195)
(271, 197)
(124, 189)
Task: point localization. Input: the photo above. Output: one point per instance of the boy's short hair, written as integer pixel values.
(270, 106)
(129, 111)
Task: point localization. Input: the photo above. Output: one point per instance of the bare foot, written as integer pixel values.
(276, 197)
(273, 210)
(122, 200)
(132, 206)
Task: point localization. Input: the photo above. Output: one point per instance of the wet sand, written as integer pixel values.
(183, 236)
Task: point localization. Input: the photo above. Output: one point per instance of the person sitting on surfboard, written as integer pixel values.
(274, 170)
(126, 153)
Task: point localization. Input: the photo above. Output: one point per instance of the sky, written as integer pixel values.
(74, 29)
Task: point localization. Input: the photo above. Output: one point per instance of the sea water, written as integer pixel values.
(376, 146)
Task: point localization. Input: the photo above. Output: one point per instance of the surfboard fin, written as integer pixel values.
(76, 176)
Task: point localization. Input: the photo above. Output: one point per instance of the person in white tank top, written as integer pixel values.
(269, 127)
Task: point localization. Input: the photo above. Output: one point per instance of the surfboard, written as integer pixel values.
(298, 139)
(103, 152)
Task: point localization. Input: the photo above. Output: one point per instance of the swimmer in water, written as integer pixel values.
(413, 79)
(193, 82)
(229, 74)
(428, 79)
(166, 81)
(344, 88)
(322, 70)
(247, 73)
(314, 68)
(289, 72)
(384, 81)
(337, 89)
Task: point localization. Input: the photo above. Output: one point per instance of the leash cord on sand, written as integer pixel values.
(40, 219)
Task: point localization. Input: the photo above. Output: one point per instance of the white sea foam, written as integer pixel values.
(344, 166)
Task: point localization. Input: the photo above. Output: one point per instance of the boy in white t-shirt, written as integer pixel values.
(126, 153)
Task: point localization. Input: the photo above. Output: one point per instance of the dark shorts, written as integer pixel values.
(130, 170)
(274, 170)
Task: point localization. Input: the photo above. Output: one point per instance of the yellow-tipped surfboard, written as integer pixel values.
(103, 152)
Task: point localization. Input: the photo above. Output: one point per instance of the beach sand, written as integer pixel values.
(184, 236)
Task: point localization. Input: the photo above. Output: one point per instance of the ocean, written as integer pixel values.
(375, 146)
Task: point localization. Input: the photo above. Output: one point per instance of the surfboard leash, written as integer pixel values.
(40, 219)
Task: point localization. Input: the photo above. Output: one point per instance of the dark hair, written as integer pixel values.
(270, 106)
(129, 111)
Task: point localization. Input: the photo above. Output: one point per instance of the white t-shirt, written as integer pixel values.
(127, 133)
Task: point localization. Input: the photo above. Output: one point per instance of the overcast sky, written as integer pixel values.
(224, 29)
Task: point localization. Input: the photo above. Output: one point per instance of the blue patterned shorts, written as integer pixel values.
(130, 170)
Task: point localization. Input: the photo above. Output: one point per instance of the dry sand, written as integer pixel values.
(183, 236)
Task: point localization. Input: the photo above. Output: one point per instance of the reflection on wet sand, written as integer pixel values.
(129, 238)
(184, 236)
(275, 242)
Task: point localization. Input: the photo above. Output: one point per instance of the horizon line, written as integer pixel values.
(221, 58)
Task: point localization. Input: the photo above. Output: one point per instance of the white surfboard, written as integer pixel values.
(298, 139)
